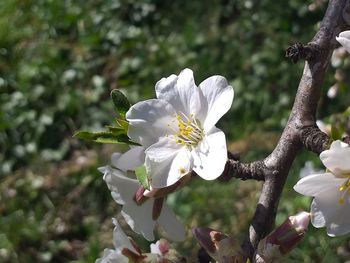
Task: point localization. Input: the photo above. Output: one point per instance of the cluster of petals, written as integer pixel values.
(178, 128)
(330, 207)
(125, 249)
(344, 39)
(123, 189)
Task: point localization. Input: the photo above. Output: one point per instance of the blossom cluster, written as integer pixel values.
(176, 134)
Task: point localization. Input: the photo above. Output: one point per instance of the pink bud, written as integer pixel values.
(203, 236)
(219, 246)
(285, 237)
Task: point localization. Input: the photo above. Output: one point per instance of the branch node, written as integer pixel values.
(314, 139)
(244, 171)
(299, 51)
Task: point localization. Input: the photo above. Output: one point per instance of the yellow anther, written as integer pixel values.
(189, 131)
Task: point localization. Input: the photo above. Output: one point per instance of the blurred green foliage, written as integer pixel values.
(59, 60)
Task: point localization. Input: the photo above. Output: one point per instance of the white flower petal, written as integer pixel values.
(191, 96)
(183, 94)
(112, 256)
(129, 160)
(120, 239)
(167, 162)
(317, 184)
(173, 227)
(345, 34)
(122, 187)
(114, 159)
(337, 158)
(327, 211)
(344, 39)
(138, 217)
(317, 218)
(211, 155)
(166, 90)
(219, 96)
(149, 120)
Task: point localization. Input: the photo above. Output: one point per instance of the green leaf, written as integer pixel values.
(336, 132)
(142, 176)
(120, 101)
(105, 137)
(116, 129)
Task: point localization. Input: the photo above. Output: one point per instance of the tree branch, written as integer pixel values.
(300, 129)
(245, 171)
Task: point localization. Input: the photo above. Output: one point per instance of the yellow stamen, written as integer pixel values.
(190, 132)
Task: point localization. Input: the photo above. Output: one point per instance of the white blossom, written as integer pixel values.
(331, 190)
(138, 216)
(178, 128)
(344, 39)
(121, 242)
(126, 250)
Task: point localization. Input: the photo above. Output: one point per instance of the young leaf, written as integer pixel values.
(118, 137)
(120, 101)
(336, 132)
(141, 175)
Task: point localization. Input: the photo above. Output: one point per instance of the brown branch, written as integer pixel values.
(245, 171)
(300, 129)
(314, 139)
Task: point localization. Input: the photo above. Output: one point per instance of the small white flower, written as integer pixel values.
(178, 129)
(331, 190)
(121, 242)
(139, 217)
(126, 250)
(344, 39)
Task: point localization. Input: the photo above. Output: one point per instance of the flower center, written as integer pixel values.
(190, 132)
(345, 191)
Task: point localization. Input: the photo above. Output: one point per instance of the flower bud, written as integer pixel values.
(219, 246)
(284, 238)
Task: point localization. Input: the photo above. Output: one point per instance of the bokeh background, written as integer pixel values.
(59, 60)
